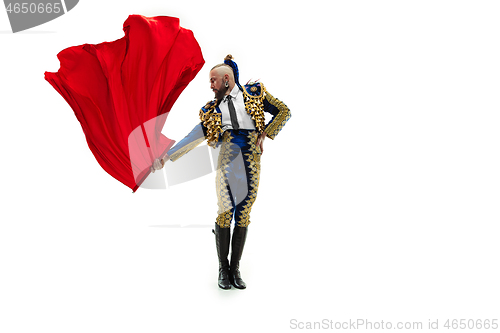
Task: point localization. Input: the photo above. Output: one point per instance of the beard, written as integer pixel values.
(221, 92)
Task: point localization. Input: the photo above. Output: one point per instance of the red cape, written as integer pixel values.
(121, 91)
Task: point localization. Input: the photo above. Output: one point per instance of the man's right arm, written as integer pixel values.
(191, 141)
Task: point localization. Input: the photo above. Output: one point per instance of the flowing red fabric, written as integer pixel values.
(121, 91)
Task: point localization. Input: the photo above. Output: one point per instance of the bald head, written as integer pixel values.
(223, 69)
(221, 80)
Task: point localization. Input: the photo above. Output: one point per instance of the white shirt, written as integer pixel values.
(244, 119)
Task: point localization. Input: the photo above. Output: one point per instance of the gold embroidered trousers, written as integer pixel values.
(237, 179)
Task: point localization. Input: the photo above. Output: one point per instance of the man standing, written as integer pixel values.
(235, 122)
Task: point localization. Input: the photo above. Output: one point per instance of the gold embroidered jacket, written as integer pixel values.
(257, 101)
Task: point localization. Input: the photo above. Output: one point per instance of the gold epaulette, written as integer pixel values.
(212, 121)
(254, 104)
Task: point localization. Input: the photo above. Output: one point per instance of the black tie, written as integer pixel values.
(232, 113)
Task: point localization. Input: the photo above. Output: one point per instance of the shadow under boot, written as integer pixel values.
(237, 244)
(222, 237)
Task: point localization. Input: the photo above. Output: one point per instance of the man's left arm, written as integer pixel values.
(280, 112)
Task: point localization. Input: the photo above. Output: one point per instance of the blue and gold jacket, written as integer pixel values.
(257, 101)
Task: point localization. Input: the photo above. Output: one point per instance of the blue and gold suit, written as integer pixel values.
(238, 169)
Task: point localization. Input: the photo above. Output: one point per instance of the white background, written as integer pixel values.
(378, 200)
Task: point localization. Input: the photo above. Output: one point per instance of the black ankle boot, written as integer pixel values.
(238, 242)
(222, 236)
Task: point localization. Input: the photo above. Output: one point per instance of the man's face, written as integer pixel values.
(217, 84)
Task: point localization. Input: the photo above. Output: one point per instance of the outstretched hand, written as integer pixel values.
(158, 164)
